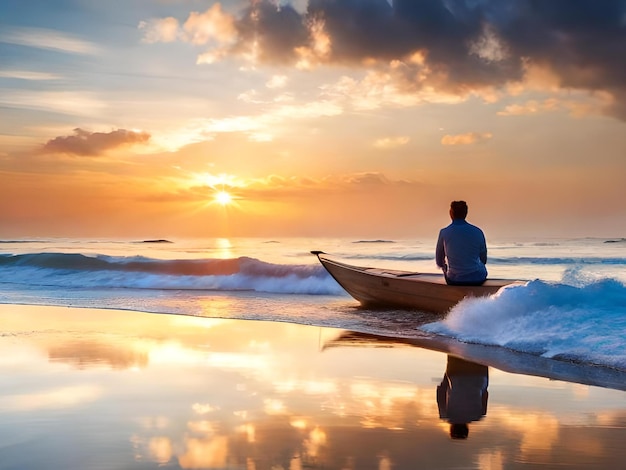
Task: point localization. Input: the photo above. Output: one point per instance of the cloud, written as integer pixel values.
(47, 39)
(453, 47)
(578, 106)
(256, 127)
(198, 187)
(212, 26)
(66, 102)
(367, 179)
(160, 30)
(391, 142)
(466, 139)
(28, 75)
(529, 107)
(85, 143)
(277, 81)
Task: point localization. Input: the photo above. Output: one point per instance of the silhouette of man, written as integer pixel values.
(462, 395)
(461, 249)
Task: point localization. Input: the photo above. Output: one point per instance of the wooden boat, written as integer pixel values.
(428, 292)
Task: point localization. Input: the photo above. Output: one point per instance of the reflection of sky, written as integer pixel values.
(130, 389)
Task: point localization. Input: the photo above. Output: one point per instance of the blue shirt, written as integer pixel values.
(462, 252)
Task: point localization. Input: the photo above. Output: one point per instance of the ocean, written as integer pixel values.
(572, 307)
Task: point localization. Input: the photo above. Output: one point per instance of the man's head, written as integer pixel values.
(459, 431)
(458, 210)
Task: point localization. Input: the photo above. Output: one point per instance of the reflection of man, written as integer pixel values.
(462, 395)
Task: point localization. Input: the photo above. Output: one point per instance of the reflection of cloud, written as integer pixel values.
(249, 431)
(154, 422)
(203, 409)
(237, 361)
(209, 452)
(298, 423)
(161, 449)
(310, 387)
(85, 354)
(273, 406)
(384, 463)
(493, 460)
(540, 431)
(386, 406)
(63, 397)
(203, 427)
(316, 440)
(610, 419)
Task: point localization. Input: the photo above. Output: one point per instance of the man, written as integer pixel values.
(461, 249)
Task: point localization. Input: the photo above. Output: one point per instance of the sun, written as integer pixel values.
(223, 198)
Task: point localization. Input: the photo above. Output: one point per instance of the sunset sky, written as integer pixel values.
(311, 117)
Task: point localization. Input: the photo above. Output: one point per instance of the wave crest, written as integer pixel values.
(578, 323)
(243, 273)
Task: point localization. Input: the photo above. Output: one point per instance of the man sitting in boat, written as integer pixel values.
(461, 249)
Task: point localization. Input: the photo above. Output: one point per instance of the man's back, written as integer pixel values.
(462, 252)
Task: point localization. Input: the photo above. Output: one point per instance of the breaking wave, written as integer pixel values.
(582, 321)
(243, 273)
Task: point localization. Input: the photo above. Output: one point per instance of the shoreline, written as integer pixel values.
(128, 389)
(498, 357)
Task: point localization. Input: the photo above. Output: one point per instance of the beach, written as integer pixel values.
(109, 389)
(175, 175)
(246, 354)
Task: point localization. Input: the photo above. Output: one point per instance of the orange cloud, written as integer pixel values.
(212, 25)
(85, 143)
(391, 142)
(577, 105)
(466, 139)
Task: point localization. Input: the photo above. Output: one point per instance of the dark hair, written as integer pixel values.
(459, 209)
(459, 431)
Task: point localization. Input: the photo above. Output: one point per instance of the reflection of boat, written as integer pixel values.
(493, 356)
(388, 287)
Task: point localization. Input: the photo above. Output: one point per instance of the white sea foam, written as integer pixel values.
(581, 320)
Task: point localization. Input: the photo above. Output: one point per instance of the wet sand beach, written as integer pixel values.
(108, 389)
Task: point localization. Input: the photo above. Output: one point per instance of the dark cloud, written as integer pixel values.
(276, 31)
(87, 143)
(465, 43)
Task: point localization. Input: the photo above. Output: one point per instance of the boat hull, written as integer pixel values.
(374, 287)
